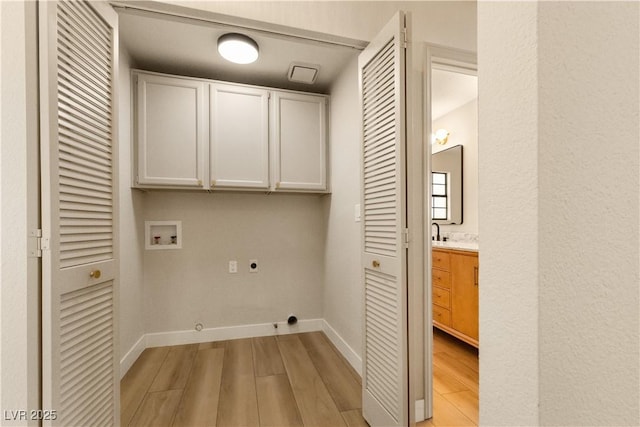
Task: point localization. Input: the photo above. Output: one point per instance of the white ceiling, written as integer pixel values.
(187, 47)
(183, 46)
(450, 90)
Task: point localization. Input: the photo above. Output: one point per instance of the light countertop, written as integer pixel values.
(463, 246)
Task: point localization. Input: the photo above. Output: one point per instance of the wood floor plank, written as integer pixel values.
(212, 344)
(316, 406)
(343, 384)
(266, 357)
(445, 343)
(466, 402)
(353, 418)
(176, 367)
(425, 423)
(444, 382)
(276, 404)
(238, 405)
(457, 369)
(199, 404)
(137, 380)
(446, 414)
(157, 409)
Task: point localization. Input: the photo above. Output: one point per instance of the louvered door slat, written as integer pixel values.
(83, 18)
(80, 61)
(82, 84)
(86, 331)
(85, 42)
(382, 322)
(71, 90)
(78, 51)
(77, 106)
(385, 371)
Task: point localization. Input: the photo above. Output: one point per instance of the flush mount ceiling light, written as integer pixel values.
(238, 48)
(441, 136)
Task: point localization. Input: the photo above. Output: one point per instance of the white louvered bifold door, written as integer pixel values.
(78, 51)
(385, 364)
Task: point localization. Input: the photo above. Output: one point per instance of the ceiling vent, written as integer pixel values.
(303, 73)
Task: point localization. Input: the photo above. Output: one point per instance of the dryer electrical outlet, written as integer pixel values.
(253, 266)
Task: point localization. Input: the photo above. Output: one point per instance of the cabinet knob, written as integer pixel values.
(95, 274)
(375, 264)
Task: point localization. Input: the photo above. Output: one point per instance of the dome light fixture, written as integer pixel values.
(238, 48)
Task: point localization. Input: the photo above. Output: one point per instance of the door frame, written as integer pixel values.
(460, 61)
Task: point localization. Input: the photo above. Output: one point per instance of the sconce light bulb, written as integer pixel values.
(441, 136)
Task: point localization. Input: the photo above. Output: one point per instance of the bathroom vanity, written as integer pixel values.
(455, 291)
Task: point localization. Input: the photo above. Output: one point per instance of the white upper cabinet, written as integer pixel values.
(299, 142)
(210, 135)
(239, 137)
(171, 131)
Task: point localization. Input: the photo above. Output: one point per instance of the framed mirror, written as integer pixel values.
(446, 186)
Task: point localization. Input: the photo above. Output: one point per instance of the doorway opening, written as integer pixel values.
(451, 179)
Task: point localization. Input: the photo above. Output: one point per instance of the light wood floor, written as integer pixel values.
(291, 380)
(455, 382)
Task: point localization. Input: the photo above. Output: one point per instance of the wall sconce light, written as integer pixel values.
(441, 136)
(238, 48)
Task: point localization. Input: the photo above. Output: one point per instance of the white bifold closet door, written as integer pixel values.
(384, 252)
(78, 64)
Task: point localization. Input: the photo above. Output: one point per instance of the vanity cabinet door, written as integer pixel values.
(299, 142)
(170, 133)
(464, 294)
(239, 137)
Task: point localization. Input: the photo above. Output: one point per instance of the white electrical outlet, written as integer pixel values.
(253, 266)
(233, 266)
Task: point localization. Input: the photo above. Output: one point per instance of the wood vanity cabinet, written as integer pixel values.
(455, 293)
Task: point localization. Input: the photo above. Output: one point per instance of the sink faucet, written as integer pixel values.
(438, 230)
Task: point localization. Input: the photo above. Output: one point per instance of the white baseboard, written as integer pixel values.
(420, 415)
(352, 357)
(132, 355)
(161, 339)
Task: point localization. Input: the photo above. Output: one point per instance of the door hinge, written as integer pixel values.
(405, 38)
(37, 243)
(405, 237)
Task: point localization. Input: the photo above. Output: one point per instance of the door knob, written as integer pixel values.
(95, 274)
(375, 264)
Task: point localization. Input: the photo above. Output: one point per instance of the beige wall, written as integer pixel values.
(463, 125)
(560, 304)
(19, 199)
(131, 223)
(589, 213)
(343, 289)
(450, 23)
(508, 175)
(192, 285)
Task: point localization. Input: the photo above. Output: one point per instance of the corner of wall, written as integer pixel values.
(131, 226)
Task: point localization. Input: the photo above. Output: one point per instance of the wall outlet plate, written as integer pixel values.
(233, 266)
(253, 266)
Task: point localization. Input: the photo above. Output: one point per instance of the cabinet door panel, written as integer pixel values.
(464, 294)
(239, 147)
(300, 142)
(170, 120)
